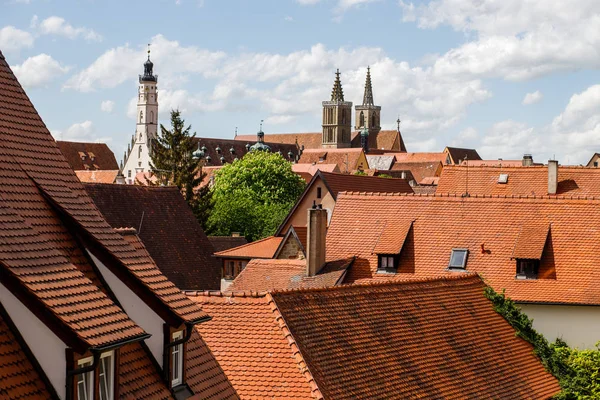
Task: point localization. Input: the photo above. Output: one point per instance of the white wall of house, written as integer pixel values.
(136, 309)
(579, 326)
(46, 347)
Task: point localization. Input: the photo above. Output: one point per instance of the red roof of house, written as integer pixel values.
(459, 154)
(346, 159)
(420, 157)
(263, 248)
(337, 183)
(95, 176)
(568, 268)
(83, 156)
(250, 347)
(419, 169)
(431, 339)
(263, 275)
(342, 343)
(522, 181)
(167, 227)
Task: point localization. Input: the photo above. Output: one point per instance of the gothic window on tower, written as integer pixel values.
(343, 117)
(151, 116)
(141, 116)
(373, 121)
(140, 151)
(362, 120)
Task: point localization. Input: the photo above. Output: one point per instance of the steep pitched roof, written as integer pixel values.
(458, 154)
(310, 140)
(263, 275)
(352, 338)
(263, 248)
(347, 160)
(166, 226)
(47, 217)
(83, 156)
(250, 347)
(421, 157)
(337, 183)
(20, 378)
(222, 243)
(568, 272)
(313, 168)
(217, 148)
(522, 181)
(419, 169)
(380, 161)
(382, 140)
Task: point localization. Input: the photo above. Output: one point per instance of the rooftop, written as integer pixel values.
(83, 156)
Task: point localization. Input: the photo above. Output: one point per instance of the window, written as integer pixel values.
(503, 178)
(361, 124)
(318, 193)
(151, 117)
(106, 376)
(595, 163)
(129, 174)
(387, 263)
(458, 258)
(141, 116)
(527, 269)
(232, 268)
(85, 382)
(177, 362)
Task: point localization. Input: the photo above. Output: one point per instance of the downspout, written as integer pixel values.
(96, 352)
(188, 334)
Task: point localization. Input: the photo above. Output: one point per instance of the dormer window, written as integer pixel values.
(458, 259)
(85, 382)
(527, 269)
(106, 376)
(177, 361)
(387, 263)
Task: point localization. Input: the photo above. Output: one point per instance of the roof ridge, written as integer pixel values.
(417, 281)
(246, 244)
(223, 294)
(474, 196)
(297, 354)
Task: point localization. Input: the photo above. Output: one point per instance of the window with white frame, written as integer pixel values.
(177, 361)
(106, 376)
(85, 382)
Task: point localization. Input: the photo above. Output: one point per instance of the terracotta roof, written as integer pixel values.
(531, 241)
(313, 168)
(337, 183)
(419, 169)
(222, 243)
(430, 181)
(421, 157)
(138, 377)
(166, 226)
(346, 159)
(263, 275)
(458, 154)
(43, 208)
(382, 140)
(493, 163)
(97, 176)
(368, 342)
(302, 233)
(392, 238)
(522, 181)
(248, 344)
(428, 189)
(88, 156)
(217, 148)
(263, 248)
(568, 268)
(19, 379)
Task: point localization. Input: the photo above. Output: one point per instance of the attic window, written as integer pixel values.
(388, 264)
(503, 178)
(106, 376)
(318, 193)
(177, 361)
(82, 155)
(458, 259)
(92, 156)
(85, 382)
(527, 269)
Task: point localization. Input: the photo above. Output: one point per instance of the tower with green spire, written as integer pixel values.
(337, 116)
(368, 115)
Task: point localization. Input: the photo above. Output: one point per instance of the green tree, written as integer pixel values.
(253, 195)
(173, 164)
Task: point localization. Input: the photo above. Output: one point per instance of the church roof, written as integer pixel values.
(218, 152)
(337, 93)
(368, 96)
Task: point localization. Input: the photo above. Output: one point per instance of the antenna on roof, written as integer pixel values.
(235, 134)
(141, 221)
(466, 194)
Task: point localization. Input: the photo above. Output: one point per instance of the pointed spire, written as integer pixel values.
(368, 96)
(398, 122)
(337, 94)
(148, 70)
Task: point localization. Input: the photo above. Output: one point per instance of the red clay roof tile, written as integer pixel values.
(83, 156)
(263, 248)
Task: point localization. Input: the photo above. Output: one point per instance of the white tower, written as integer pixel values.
(137, 157)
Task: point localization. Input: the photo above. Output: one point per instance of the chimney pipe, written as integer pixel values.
(552, 176)
(316, 231)
(527, 160)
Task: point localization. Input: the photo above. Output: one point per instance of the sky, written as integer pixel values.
(505, 77)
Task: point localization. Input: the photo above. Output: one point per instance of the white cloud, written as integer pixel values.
(39, 70)
(80, 132)
(532, 98)
(466, 137)
(510, 140)
(107, 106)
(513, 39)
(308, 2)
(288, 18)
(58, 26)
(13, 39)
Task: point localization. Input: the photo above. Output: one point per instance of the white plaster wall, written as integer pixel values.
(136, 309)
(579, 326)
(47, 348)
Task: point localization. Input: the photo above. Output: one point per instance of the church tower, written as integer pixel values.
(137, 157)
(368, 115)
(337, 116)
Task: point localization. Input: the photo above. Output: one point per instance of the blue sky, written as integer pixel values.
(510, 78)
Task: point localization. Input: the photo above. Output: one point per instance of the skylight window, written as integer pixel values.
(458, 258)
(503, 178)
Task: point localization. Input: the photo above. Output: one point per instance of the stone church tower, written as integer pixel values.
(368, 115)
(337, 118)
(137, 157)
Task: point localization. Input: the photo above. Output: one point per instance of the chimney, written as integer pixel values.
(316, 231)
(527, 160)
(552, 176)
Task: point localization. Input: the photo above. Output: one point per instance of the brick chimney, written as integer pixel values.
(552, 176)
(316, 231)
(527, 160)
